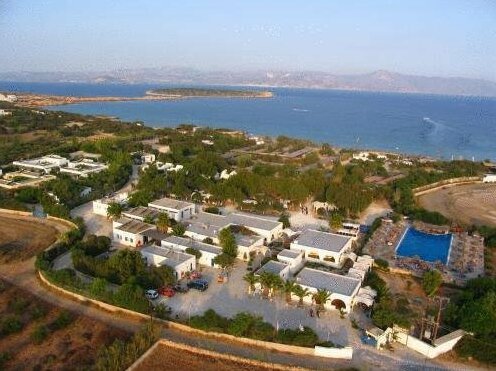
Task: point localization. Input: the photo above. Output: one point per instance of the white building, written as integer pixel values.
(147, 158)
(83, 168)
(323, 247)
(205, 225)
(175, 209)
(293, 258)
(129, 232)
(8, 97)
(274, 267)
(269, 228)
(489, 178)
(5, 113)
(44, 164)
(141, 213)
(248, 245)
(343, 289)
(179, 261)
(100, 206)
(208, 252)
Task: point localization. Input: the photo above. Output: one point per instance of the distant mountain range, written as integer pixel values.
(379, 81)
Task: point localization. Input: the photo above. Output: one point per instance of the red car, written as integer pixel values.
(195, 275)
(167, 291)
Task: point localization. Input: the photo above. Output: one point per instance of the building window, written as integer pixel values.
(329, 258)
(313, 255)
(125, 239)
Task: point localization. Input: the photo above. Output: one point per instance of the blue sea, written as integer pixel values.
(439, 126)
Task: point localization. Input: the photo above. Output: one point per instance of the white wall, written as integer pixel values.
(343, 353)
(100, 208)
(426, 349)
(128, 239)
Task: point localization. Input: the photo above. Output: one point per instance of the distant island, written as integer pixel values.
(42, 100)
(207, 92)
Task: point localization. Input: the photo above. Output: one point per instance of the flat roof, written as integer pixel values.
(133, 226)
(292, 254)
(188, 242)
(142, 212)
(246, 240)
(253, 221)
(173, 258)
(322, 240)
(171, 203)
(271, 266)
(334, 283)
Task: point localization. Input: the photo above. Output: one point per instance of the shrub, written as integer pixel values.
(18, 305)
(38, 312)
(210, 321)
(64, 319)
(4, 358)
(10, 324)
(382, 264)
(39, 334)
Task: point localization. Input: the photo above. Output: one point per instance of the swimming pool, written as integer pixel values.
(428, 247)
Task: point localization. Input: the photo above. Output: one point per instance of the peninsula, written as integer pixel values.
(42, 100)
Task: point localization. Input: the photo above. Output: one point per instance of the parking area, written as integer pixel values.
(231, 298)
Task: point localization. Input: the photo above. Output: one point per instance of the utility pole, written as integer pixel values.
(432, 324)
(443, 303)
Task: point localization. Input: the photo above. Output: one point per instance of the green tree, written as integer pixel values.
(114, 210)
(192, 251)
(431, 281)
(336, 221)
(224, 260)
(228, 242)
(178, 230)
(321, 297)
(98, 288)
(288, 289)
(251, 279)
(163, 223)
(300, 292)
(284, 219)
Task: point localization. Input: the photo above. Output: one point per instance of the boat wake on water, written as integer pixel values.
(300, 110)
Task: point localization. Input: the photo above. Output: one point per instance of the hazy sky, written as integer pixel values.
(429, 37)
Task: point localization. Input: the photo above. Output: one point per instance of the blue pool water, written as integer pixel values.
(428, 247)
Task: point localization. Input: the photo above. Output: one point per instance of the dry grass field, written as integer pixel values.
(178, 357)
(466, 204)
(23, 237)
(35, 335)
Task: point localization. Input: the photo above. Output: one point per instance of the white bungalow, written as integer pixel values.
(83, 168)
(208, 252)
(274, 267)
(489, 178)
(179, 261)
(141, 213)
(101, 205)
(323, 247)
(44, 164)
(175, 209)
(268, 228)
(248, 245)
(129, 232)
(343, 289)
(293, 258)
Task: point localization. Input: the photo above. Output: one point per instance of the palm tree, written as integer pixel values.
(251, 279)
(301, 293)
(288, 289)
(321, 297)
(265, 280)
(276, 283)
(114, 210)
(163, 223)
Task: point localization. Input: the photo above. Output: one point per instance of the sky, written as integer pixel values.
(422, 37)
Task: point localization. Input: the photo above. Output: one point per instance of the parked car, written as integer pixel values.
(167, 291)
(151, 294)
(180, 289)
(200, 285)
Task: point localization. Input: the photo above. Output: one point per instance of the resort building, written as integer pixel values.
(147, 158)
(205, 225)
(343, 289)
(23, 178)
(129, 232)
(274, 267)
(45, 164)
(180, 262)
(293, 258)
(83, 168)
(323, 247)
(268, 228)
(80, 155)
(141, 213)
(208, 252)
(100, 206)
(248, 244)
(175, 209)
